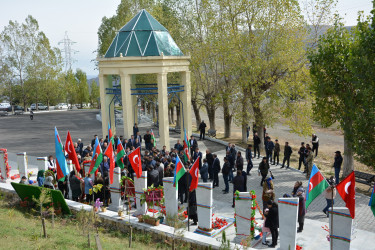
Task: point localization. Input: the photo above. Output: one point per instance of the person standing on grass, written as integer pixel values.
(315, 144)
(256, 145)
(249, 159)
(263, 170)
(287, 153)
(276, 152)
(337, 166)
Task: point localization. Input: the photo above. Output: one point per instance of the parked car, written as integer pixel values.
(4, 105)
(62, 106)
(41, 106)
(18, 110)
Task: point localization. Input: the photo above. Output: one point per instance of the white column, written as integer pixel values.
(186, 100)
(42, 163)
(204, 204)
(288, 208)
(163, 110)
(140, 184)
(22, 164)
(170, 197)
(243, 215)
(341, 229)
(127, 111)
(70, 167)
(105, 81)
(115, 191)
(3, 167)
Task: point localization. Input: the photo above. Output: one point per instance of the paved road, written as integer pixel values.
(19, 134)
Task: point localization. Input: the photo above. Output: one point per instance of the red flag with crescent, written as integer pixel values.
(111, 156)
(194, 172)
(346, 189)
(135, 161)
(69, 148)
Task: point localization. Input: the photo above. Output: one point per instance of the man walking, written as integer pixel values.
(263, 170)
(239, 161)
(249, 158)
(276, 152)
(256, 145)
(202, 129)
(287, 153)
(337, 166)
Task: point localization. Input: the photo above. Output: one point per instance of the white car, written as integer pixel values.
(4, 105)
(41, 106)
(62, 106)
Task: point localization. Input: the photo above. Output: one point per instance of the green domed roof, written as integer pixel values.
(143, 35)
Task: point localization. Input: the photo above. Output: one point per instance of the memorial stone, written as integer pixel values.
(22, 164)
(140, 184)
(3, 167)
(341, 228)
(204, 205)
(170, 197)
(243, 215)
(116, 191)
(42, 163)
(288, 208)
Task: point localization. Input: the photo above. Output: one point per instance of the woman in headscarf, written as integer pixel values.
(40, 178)
(297, 188)
(268, 193)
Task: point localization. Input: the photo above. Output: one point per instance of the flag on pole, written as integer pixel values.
(153, 138)
(110, 135)
(194, 172)
(97, 158)
(346, 189)
(120, 154)
(317, 185)
(69, 148)
(111, 156)
(135, 161)
(61, 165)
(179, 171)
(372, 201)
(186, 148)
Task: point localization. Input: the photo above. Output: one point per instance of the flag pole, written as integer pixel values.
(188, 199)
(331, 217)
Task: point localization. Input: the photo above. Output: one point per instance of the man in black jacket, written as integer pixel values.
(193, 145)
(239, 161)
(147, 138)
(302, 155)
(272, 221)
(337, 165)
(238, 183)
(216, 167)
(287, 153)
(256, 145)
(210, 161)
(249, 158)
(202, 129)
(315, 144)
(225, 172)
(263, 170)
(177, 146)
(269, 148)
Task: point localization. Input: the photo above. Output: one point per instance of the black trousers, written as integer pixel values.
(202, 134)
(263, 178)
(300, 161)
(301, 221)
(269, 155)
(216, 179)
(276, 155)
(275, 235)
(286, 159)
(315, 149)
(249, 167)
(210, 172)
(256, 148)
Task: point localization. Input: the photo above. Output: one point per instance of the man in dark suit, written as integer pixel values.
(197, 154)
(139, 137)
(135, 129)
(131, 141)
(147, 138)
(193, 145)
(93, 141)
(249, 158)
(202, 129)
(178, 146)
(287, 153)
(217, 168)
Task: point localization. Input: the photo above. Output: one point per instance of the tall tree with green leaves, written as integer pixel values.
(82, 87)
(94, 93)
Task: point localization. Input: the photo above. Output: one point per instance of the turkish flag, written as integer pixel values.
(346, 189)
(111, 156)
(194, 172)
(69, 148)
(135, 161)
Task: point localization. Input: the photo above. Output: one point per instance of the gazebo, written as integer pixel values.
(143, 46)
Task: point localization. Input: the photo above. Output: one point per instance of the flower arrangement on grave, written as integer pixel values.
(96, 188)
(97, 204)
(7, 167)
(153, 196)
(298, 247)
(50, 173)
(218, 223)
(128, 185)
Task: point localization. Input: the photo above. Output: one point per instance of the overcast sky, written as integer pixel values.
(82, 18)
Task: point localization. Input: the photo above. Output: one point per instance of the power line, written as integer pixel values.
(68, 51)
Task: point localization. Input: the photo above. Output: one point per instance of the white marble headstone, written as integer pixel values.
(204, 204)
(22, 164)
(115, 188)
(341, 228)
(140, 184)
(3, 167)
(170, 197)
(42, 163)
(243, 215)
(288, 215)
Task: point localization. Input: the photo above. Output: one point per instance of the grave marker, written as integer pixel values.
(170, 197)
(288, 215)
(115, 188)
(140, 184)
(204, 206)
(341, 229)
(3, 166)
(243, 215)
(22, 164)
(42, 163)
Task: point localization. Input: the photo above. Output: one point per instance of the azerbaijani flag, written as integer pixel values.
(61, 165)
(110, 135)
(179, 171)
(317, 185)
(153, 137)
(186, 148)
(372, 201)
(111, 156)
(120, 154)
(97, 158)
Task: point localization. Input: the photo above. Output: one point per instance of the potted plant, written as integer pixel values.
(151, 220)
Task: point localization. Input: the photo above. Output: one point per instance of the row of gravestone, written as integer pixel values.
(340, 234)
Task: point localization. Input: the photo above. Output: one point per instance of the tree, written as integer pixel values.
(82, 87)
(94, 93)
(70, 87)
(336, 93)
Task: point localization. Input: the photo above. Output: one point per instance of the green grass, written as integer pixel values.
(22, 230)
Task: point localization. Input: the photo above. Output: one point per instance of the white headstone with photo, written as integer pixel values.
(22, 164)
(288, 215)
(115, 188)
(140, 184)
(341, 229)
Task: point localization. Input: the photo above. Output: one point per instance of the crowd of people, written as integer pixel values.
(161, 163)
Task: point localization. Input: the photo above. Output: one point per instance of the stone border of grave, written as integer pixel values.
(197, 241)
